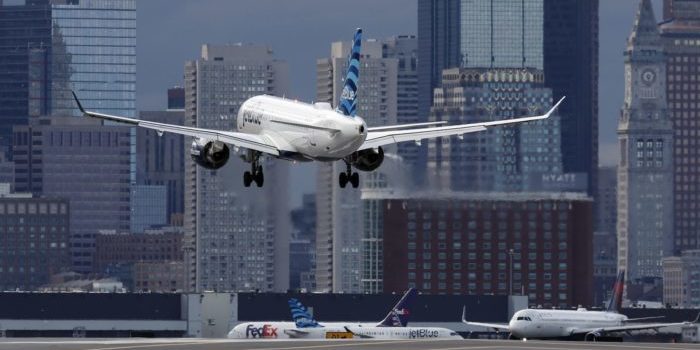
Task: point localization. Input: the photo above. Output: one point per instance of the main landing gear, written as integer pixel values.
(256, 172)
(349, 176)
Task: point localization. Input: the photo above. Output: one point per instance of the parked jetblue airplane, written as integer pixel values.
(297, 131)
(393, 326)
(305, 326)
(575, 324)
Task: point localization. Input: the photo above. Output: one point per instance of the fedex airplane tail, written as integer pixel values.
(398, 315)
(301, 316)
(347, 104)
(618, 289)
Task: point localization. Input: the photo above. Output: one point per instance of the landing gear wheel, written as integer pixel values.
(247, 179)
(256, 170)
(355, 180)
(343, 180)
(259, 177)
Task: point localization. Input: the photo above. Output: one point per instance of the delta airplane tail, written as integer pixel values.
(347, 104)
(618, 289)
(301, 316)
(398, 315)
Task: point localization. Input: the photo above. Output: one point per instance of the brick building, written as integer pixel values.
(537, 244)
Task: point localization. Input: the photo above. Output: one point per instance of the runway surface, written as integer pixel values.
(225, 344)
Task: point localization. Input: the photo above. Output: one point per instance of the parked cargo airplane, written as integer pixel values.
(305, 326)
(296, 131)
(575, 324)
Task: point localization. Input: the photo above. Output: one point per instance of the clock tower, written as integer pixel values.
(645, 171)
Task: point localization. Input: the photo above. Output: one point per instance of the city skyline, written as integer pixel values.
(532, 153)
(303, 45)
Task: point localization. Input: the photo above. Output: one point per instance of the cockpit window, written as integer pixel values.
(523, 318)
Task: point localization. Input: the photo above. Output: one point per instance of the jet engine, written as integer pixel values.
(209, 154)
(367, 159)
(592, 336)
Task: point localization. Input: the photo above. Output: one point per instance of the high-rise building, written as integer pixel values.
(84, 45)
(237, 238)
(148, 207)
(680, 33)
(514, 158)
(387, 92)
(645, 173)
(558, 36)
(23, 28)
(605, 235)
(160, 160)
(176, 98)
(501, 34)
(534, 244)
(682, 280)
(571, 69)
(85, 162)
(94, 54)
(302, 250)
(438, 46)
(34, 235)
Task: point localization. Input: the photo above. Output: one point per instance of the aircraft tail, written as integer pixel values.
(301, 316)
(347, 104)
(618, 289)
(398, 315)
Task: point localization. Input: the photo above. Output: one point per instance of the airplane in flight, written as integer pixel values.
(578, 324)
(305, 326)
(296, 131)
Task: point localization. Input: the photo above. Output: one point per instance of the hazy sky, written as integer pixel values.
(300, 31)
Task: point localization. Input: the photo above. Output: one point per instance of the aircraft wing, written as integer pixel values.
(363, 336)
(380, 137)
(633, 327)
(237, 139)
(496, 326)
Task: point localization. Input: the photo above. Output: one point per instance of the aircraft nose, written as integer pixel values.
(515, 328)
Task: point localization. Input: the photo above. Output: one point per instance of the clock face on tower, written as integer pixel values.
(648, 76)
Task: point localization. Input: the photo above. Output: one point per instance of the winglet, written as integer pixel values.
(80, 106)
(464, 314)
(551, 110)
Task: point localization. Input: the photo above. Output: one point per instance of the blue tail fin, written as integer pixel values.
(618, 289)
(348, 98)
(398, 315)
(301, 315)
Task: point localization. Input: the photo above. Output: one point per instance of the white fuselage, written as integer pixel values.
(300, 130)
(536, 323)
(334, 330)
(426, 333)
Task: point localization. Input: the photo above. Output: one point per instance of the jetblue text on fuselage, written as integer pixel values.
(422, 333)
(252, 117)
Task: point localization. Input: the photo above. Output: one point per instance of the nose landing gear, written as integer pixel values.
(349, 176)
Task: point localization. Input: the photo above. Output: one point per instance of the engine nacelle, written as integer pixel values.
(592, 336)
(367, 159)
(209, 154)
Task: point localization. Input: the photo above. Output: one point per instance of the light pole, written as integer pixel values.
(510, 277)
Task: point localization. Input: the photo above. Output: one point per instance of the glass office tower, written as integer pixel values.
(502, 34)
(94, 53)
